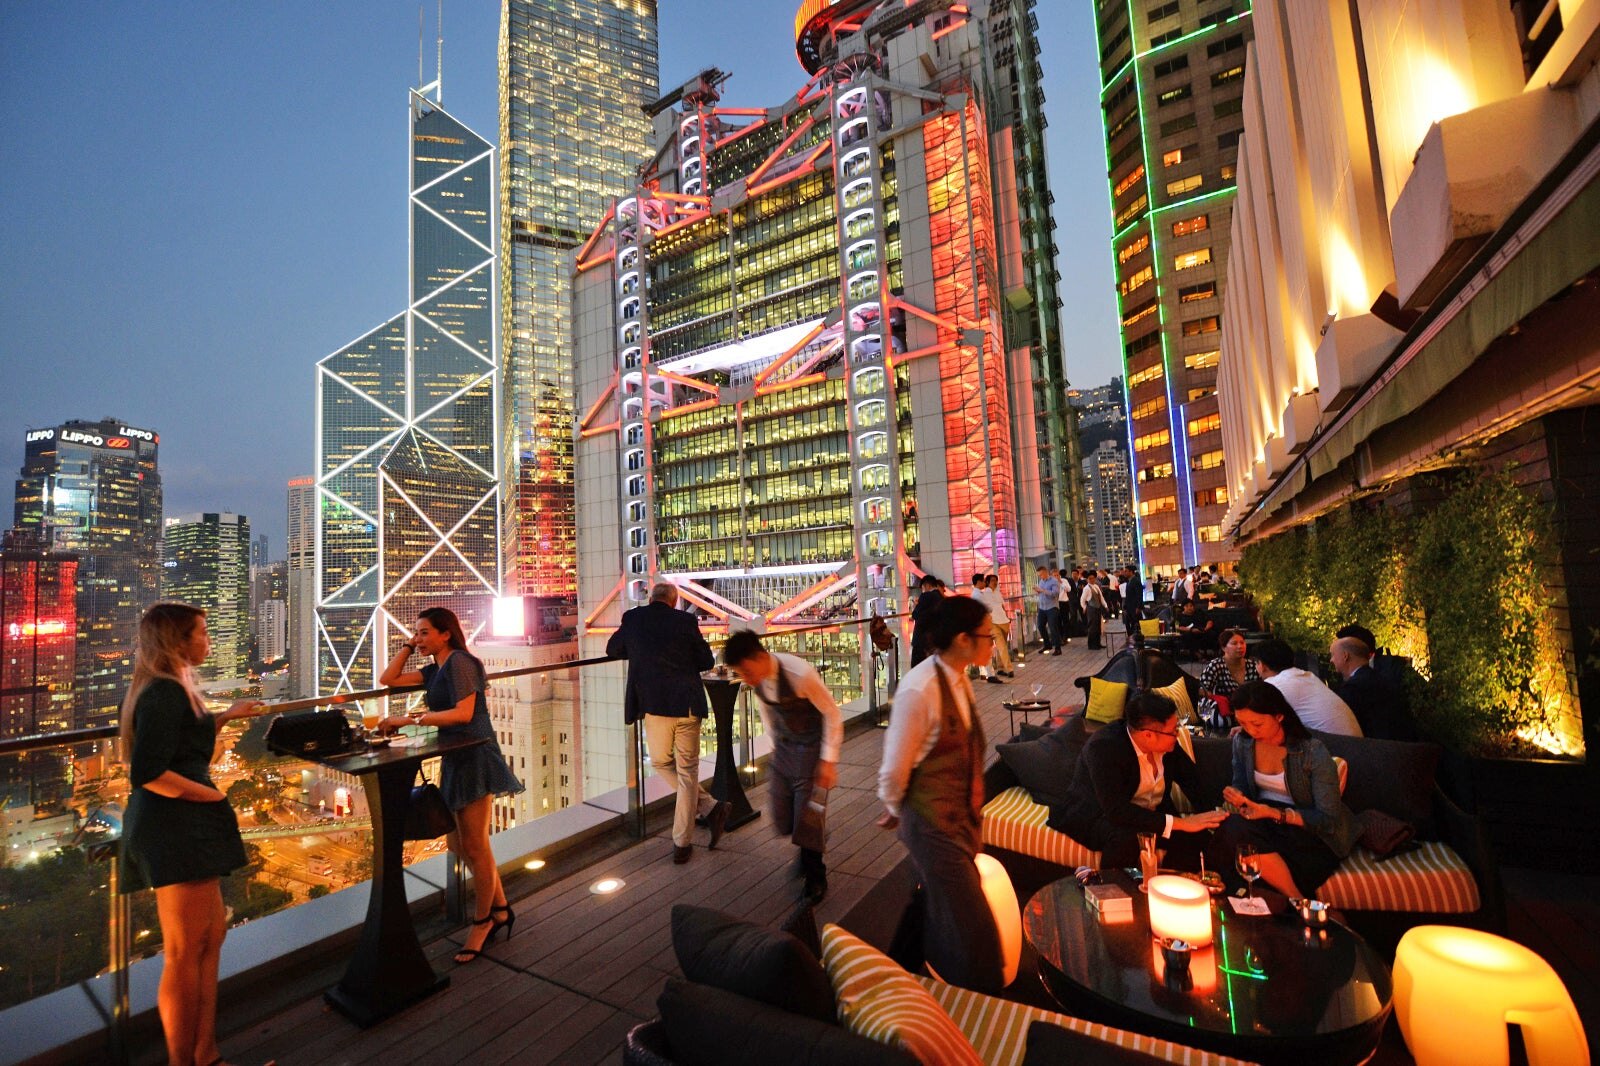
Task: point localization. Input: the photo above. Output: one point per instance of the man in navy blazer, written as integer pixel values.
(1123, 787)
(666, 655)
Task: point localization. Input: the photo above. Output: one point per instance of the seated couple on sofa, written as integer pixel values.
(1284, 790)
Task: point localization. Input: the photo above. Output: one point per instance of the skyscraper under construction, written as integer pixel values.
(818, 343)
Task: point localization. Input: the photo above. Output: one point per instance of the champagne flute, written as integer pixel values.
(1036, 688)
(1248, 863)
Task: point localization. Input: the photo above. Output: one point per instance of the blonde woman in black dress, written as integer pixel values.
(179, 835)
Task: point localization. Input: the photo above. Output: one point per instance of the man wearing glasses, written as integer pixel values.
(1123, 787)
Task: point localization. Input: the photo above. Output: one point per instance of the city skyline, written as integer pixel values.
(232, 237)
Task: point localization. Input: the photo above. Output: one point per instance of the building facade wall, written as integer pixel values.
(205, 562)
(1171, 80)
(796, 380)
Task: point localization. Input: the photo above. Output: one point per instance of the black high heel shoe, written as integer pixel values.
(506, 923)
(466, 955)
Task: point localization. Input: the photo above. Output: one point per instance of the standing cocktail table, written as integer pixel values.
(1266, 990)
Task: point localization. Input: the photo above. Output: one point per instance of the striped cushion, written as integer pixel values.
(1431, 879)
(1013, 821)
(880, 1001)
(998, 1029)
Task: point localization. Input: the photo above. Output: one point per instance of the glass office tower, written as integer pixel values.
(1172, 79)
(574, 78)
(205, 561)
(812, 360)
(407, 430)
(38, 636)
(93, 489)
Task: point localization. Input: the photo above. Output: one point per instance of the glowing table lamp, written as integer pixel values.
(1180, 909)
(1007, 915)
(1456, 990)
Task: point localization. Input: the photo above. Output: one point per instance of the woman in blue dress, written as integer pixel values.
(179, 834)
(455, 686)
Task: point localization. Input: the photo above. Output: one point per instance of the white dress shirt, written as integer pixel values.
(1318, 706)
(806, 683)
(914, 725)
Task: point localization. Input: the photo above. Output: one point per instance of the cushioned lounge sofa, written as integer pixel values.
(758, 996)
(1447, 874)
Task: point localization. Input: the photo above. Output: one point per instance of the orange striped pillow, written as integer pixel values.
(880, 1001)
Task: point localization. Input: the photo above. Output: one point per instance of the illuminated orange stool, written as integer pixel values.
(1456, 990)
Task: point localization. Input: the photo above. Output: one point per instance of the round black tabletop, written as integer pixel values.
(1266, 989)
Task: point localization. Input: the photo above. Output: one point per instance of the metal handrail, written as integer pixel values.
(117, 1046)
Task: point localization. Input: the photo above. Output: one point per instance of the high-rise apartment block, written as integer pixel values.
(92, 489)
(38, 636)
(205, 562)
(269, 610)
(1108, 514)
(818, 350)
(1172, 79)
(574, 77)
(302, 592)
(408, 441)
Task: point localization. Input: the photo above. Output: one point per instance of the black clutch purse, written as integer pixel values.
(310, 734)
(427, 816)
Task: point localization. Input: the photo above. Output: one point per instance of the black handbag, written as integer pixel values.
(427, 816)
(309, 734)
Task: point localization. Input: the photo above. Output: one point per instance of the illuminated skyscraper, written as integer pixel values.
(1172, 78)
(408, 454)
(817, 346)
(92, 489)
(205, 561)
(302, 586)
(38, 636)
(574, 77)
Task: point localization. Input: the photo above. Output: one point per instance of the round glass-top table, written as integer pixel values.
(1267, 989)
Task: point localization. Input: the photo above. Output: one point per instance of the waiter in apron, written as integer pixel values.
(806, 727)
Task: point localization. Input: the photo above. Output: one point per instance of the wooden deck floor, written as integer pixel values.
(582, 969)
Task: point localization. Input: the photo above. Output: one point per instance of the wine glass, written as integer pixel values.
(1248, 863)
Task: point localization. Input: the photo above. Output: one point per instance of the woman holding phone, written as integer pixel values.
(179, 835)
(1286, 791)
(456, 686)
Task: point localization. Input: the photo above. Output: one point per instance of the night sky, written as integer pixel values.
(202, 200)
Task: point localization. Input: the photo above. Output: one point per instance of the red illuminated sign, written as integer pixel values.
(119, 442)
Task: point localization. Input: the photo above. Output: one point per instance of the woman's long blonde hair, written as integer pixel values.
(164, 631)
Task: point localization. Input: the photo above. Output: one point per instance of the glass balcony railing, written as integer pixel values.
(306, 827)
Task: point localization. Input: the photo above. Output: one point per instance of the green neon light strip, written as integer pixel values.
(1229, 191)
(1201, 32)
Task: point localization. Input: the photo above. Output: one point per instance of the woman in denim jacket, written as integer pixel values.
(1286, 791)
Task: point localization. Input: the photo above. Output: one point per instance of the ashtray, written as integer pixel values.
(1312, 912)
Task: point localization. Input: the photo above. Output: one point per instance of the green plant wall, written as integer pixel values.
(1453, 586)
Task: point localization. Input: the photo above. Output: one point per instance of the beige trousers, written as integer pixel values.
(1002, 643)
(675, 753)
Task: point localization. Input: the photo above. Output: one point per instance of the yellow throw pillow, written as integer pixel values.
(1106, 700)
(1178, 693)
(1150, 627)
(880, 1001)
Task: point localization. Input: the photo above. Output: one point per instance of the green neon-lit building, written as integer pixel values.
(1172, 78)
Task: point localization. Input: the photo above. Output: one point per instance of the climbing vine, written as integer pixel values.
(1454, 586)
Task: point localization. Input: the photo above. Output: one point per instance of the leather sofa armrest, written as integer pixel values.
(1466, 835)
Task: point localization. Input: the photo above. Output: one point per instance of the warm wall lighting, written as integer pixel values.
(1180, 909)
(1456, 990)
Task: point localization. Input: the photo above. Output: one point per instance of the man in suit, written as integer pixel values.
(1378, 703)
(927, 602)
(1123, 787)
(666, 655)
(1133, 604)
